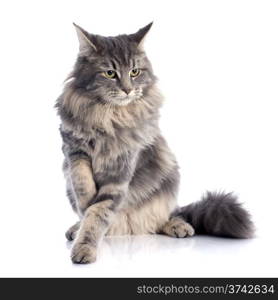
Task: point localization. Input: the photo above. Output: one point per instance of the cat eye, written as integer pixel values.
(134, 72)
(110, 74)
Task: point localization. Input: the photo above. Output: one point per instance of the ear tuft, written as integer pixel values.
(85, 44)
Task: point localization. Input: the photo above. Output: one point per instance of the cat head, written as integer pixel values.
(113, 70)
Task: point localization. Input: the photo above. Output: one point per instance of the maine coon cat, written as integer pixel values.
(121, 176)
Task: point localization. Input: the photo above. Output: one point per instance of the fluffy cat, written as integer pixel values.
(121, 176)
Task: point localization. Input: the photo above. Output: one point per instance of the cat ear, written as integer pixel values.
(140, 35)
(85, 43)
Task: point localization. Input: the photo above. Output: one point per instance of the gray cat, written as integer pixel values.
(121, 176)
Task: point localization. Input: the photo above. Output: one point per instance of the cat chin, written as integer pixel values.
(121, 102)
(124, 102)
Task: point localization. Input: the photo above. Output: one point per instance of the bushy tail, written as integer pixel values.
(218, 214)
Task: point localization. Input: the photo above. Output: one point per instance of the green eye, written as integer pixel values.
(134, 72)
(109, 74)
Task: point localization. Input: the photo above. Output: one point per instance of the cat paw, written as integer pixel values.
(83, 254)
(71, 233)
(177, 227)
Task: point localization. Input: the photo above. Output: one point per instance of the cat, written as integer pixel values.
(122, 178)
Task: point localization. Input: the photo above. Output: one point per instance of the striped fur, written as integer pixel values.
(121, 176)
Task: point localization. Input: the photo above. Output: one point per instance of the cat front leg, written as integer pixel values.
(96, 221)
(80, 177)
(81, 188)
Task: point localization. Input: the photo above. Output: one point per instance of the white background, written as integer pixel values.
(218, 67)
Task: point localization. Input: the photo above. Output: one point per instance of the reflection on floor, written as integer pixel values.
(199, 256)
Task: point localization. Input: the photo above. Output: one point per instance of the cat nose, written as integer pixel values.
(127, 90)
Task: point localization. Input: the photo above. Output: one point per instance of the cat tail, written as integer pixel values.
(218, 214)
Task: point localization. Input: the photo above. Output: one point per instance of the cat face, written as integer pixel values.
(113, 70)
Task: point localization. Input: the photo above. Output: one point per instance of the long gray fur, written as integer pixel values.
(121, 176)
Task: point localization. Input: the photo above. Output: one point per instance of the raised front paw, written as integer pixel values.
(83, 253)
(177, 227)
